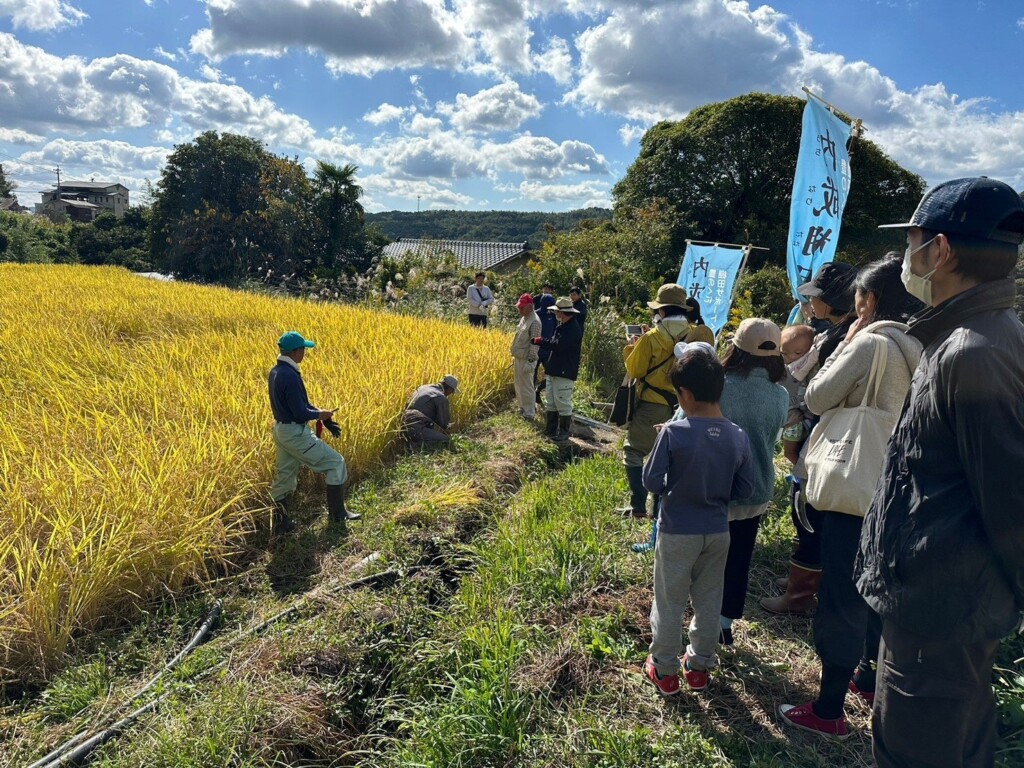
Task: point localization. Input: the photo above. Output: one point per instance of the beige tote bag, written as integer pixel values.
(847, 448)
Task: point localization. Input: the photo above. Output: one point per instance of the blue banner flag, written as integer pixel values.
(820, 188)
(708, 275)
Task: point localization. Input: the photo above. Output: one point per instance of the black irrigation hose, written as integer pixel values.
(70, 754)
(80, 754)
(197, 638)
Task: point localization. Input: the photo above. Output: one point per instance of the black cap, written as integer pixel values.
(977, 207)
(833, 284)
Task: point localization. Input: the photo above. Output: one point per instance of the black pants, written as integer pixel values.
(478, 320)
(934, 706)
(808, 545)
(742, 535)
(846, 630)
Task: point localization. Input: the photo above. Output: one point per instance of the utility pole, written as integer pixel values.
(417, 203)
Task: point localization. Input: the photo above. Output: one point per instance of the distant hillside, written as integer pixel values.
(499, 226)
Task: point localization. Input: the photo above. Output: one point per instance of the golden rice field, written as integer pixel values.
(135, 445)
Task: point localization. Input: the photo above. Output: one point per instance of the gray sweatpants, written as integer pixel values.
(687, 568)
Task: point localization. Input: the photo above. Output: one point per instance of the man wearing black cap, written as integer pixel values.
(942, 550)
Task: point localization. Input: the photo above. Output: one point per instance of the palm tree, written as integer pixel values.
(340, 213)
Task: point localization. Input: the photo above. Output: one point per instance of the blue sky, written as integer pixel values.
(490, 104)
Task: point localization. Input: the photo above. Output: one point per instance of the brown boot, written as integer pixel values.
(782, 582)
(801, 594)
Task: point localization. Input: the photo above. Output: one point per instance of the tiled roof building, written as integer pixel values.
(501, 257)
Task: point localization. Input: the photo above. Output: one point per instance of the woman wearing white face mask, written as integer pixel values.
(846, 633)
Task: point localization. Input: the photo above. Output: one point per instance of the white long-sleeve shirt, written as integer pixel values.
(480, 299)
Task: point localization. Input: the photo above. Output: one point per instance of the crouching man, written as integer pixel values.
(427, 420)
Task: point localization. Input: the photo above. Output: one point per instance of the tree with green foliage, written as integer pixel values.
(112, 241)
(225, 209)
(34, 240)
(532, 227)
(204, 218)
(340, 238)
(6, 185)
(726, 172)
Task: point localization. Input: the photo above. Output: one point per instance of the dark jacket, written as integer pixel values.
(942, 548)
(429, 406)
(581, 307)
(288, 399)
(564, 345)
(548, 321)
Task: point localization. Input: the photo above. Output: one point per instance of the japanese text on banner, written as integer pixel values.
(820, 188)
(708, 274)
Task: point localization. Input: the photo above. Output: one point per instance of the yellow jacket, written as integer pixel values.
(656, 347)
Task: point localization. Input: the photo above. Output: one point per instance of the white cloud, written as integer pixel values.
(18, 136)
(1020, 23)
(501, 108)
(630, 133)
(41, 15)
(635, 63)
(632, 64)
(117, 157)
(504, 31)
(538, 157)
(556, 61)
(439, 156)
(423, 124)
(429, 194)
(361, 38)
(167, 55)
(385, 113)
(588, 190)
(210, 73)
(44, 93)
(114, 161)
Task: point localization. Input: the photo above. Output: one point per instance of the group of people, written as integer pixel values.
(899, 404)
(549, 335)
(902, 412)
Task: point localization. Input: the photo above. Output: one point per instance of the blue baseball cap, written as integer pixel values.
(293, 340)
(976, 207)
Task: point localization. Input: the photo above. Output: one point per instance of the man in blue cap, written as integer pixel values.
(297, 446)
(942, 549)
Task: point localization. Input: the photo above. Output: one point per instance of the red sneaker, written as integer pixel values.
(803, 717)
(868, 696)
(667, 685)
(696, 679)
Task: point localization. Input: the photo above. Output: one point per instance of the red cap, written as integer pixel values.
(524, 300)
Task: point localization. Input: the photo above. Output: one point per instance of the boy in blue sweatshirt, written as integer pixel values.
(698, 465)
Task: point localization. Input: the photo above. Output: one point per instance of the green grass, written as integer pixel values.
(519, 645)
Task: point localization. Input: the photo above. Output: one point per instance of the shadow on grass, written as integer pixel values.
(296, 558)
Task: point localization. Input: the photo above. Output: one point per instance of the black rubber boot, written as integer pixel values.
(564, 422)
(336, 511)
(551, 429)
(282, 523)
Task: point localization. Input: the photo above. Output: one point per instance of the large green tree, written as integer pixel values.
(226, 209)
(726, 173)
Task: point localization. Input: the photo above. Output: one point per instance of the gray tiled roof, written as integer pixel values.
(471, 254)
(88, 185)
